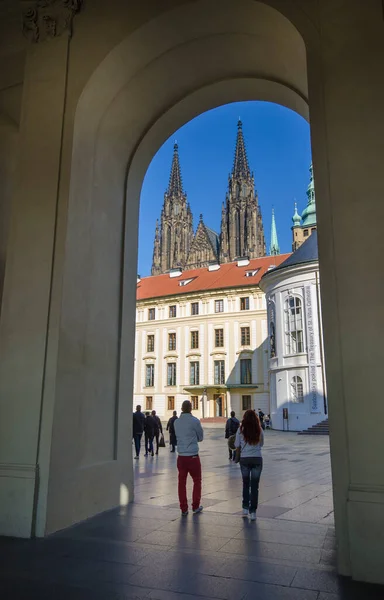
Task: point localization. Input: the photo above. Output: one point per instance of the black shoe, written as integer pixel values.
(183, 514)
(152, 454)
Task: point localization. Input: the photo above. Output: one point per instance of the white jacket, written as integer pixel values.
(189, 433)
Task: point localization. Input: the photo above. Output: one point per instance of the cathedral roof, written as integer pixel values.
(214, 238)
(229, 275)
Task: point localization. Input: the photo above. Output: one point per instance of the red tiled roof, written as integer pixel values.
(228, 276)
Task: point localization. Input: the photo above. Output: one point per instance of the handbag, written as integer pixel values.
(238, 453)
(161, 441)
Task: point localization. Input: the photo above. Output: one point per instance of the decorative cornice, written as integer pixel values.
(46, 19)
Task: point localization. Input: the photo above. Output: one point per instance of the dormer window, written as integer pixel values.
(186, 281)
(251, 273)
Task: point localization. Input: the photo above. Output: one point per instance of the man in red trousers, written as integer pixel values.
(189, 433)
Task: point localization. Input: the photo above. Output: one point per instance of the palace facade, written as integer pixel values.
(202, 335)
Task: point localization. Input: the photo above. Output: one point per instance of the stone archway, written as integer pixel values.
(145, 89)
(182, 62)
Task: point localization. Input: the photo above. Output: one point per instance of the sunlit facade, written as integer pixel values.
(203, 337)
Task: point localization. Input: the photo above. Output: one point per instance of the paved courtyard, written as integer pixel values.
(148, 551)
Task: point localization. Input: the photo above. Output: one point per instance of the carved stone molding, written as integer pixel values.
(46, 19)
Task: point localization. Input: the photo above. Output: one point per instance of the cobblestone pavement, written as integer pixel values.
(148, 550)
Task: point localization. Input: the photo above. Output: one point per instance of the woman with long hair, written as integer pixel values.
(250, 439)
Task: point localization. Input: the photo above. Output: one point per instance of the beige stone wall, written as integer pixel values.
(300, 235)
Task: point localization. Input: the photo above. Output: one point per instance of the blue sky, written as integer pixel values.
(279, 153)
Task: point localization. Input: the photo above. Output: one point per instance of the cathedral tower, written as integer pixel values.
(174, 237)
(242, 232)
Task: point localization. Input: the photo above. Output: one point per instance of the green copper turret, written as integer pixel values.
(309, 213)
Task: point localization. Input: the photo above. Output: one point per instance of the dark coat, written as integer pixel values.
(232, 425)
(171, 429)
(138, 423)
(158, 425)
(150, 426)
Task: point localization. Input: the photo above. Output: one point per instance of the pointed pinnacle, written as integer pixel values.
(175, 183)
(240, 163)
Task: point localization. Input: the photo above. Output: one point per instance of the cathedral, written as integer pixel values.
(242, 234)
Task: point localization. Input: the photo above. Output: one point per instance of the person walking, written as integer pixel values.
(231, 426)
(171, 429)
(261, 418)
(149, 431)
(158, 429)
(138, 429)
(250, 439)
(189, 433)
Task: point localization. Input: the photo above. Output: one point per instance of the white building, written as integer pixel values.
(296, 363)
(203, 335)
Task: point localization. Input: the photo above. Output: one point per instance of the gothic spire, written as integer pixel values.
(274, 246)
(175, 186)
(240, 164)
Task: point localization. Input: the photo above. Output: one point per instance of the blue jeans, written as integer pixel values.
(137, 440)
(251, 471)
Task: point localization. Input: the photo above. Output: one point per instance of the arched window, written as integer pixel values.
(297, 394)
(294, 336)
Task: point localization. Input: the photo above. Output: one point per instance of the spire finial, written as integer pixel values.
(296, 217)
(240, 164)
(201, 217)
(274, 246)
(175, 186)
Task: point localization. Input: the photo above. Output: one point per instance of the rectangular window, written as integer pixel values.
(294, 326)
(151, 314)
(246, 403)
(150, 343)
(305, 232)
(195, 402)
(244, 303)
(194, 308)
(172, 311)
(149, 375)
(148, 402)
(194, 378)
(171, 402)
(171, 341)
(171, 374)
(245, 336)
(245, 370)
(219, 306)
(194, 339)
(219, 338)
(219, 369)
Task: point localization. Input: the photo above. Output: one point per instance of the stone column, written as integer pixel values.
(346, 91)
(25, 402)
